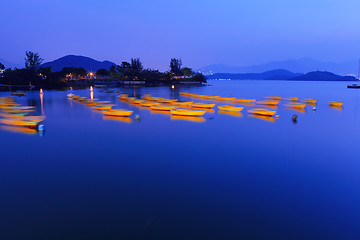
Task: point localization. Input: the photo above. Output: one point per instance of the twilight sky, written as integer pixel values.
(233, 32)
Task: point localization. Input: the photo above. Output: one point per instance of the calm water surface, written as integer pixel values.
(229, 177)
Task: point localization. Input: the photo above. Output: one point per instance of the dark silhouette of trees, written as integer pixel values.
(2, 67)
(199, 77)
(45, 71)
(112, 69)
(136, 65)
(102, 73)
(187, 72)
(175, 66)
(32, 60)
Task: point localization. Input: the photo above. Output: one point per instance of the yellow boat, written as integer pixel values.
(19, 129)
(335, 103)
(19, 110)
(186, 112)
(268, 102)
(226, 99)
(210, 97)
(148, 104)
(243, 100)
(102, 107)
(230, 108)
(203, 105)
(117, 112)
(185, 93)
(296, 105)
(236, 114)
(182, 103)
(14, 115)
(130, 99)
(187, 118)
(123, 96)
(309, 100)
(293, 99)
(21, 122)
(261, 111)
(273, 97)
(162, 107)
(165, 100)
(17, 107)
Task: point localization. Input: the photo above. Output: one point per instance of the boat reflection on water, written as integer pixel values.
(302, 110)
(120, 119)
(188, 118)
(266, 118)
(19, 129)
(245, 104)
(337, 107)
(236, 114)
(161, 111)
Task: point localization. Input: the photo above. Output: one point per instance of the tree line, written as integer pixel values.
(34, 74)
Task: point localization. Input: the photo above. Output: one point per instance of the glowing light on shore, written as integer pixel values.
(172, 87)
(41, 91)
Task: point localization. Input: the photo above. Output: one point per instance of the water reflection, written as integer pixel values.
(236, 114)
(187, 118)
(266, 118)
(120, 119)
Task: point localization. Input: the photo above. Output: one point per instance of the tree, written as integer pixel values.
(2, 67)
(102, 72)
(112, 69)
(45, 71)
(32, 60)
(187, 72)
(136, 65)
(175, 66)
(199, 77)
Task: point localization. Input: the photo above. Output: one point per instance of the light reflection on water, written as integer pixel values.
(226, 176)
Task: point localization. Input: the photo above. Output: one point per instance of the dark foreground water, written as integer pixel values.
(229, 177)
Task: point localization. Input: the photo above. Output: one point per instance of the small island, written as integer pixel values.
(36, 75)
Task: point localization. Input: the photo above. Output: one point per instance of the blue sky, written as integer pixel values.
(200, 32)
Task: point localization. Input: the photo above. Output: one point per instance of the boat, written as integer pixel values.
(203, 105)
(310, 100)
(12, 115)
(335, 103)
(182, 103)
(102, 107)
(148, 104)
(165, 100)
(268, 102)
(243, 100)
(123, 96)
(19, 110)
(296, 105)
(162, 107)
(186, 112)
(18, 93)
(262, 111)
(70, 95)
(230, 108)
(21, 122)
(17, 107)
(354, 85)
(19, 129)
(293, 99)
(210, 97)
(230, 99)
(117, 112)
(273, 97)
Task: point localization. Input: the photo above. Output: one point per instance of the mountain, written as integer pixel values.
(8, 64)
(278, 74)
(77, 61)
(322, 76)
(303, 65)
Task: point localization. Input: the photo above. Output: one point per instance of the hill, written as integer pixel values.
(322, 76)
(78, 61)
(302, 65)
(278, 74)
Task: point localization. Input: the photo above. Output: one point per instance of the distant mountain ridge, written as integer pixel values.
(77, 61)
(8, 64)
(278, 74)
(303, 65)
(281, 74)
